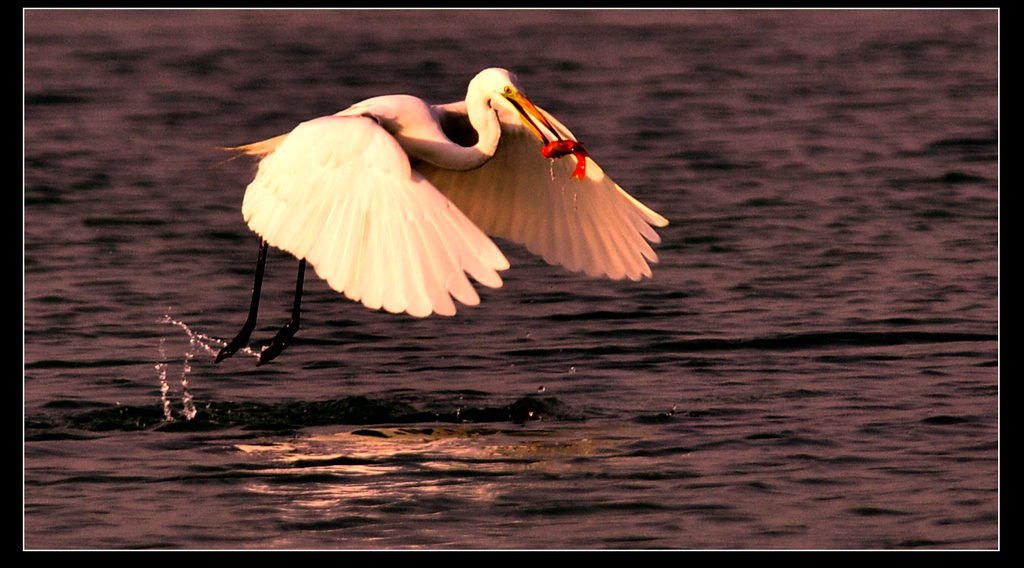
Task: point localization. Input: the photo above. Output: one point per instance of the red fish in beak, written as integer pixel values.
(560, 148)
(535, 120)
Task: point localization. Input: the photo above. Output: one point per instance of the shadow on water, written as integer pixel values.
(353, 410)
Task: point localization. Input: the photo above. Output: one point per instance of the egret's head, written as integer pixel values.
(502, 88)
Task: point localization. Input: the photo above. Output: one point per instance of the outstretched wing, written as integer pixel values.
(340, 192)
(589, 225)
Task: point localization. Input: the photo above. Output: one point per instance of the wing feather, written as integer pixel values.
(590, 225)
(340, 192)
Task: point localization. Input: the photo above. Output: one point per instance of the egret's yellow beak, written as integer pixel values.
(531, 116)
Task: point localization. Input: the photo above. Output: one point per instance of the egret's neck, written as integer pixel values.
(435, 147)
(488, 128)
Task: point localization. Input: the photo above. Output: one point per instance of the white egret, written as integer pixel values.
(392, 199)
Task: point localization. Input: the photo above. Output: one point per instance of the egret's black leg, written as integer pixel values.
(242, 339)
(284, 336)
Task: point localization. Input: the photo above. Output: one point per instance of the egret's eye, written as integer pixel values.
(508, 90)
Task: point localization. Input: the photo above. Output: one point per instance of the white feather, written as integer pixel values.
(339, 192)
(590, 225)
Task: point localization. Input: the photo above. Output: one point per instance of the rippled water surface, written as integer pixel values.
(813, 365)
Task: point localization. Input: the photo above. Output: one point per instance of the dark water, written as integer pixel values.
(815, 363)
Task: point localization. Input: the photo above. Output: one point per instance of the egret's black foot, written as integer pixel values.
(241, 340)
(282, 340)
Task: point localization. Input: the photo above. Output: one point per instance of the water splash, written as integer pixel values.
(196, 338)
(161, 367)
(197, 342)
(189, 407)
